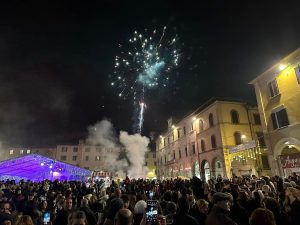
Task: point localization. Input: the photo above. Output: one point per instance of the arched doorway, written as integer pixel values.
(290, 160)
(196, 169)
(205, 170)
(287, 157)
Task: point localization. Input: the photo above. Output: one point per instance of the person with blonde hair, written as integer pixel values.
(293, 198)
(25, 220)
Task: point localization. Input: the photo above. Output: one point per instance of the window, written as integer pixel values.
(75, 149)
(173, 137)
(192, 126)
(202, 145)
(201, 125)
(74, 158)
(154, 155)
(265, 162)
(146, 163)
(194, 148)
(87, 149)
(21, 152)
(179, 154)
(178, 133)
(256, 119)
(211, 119)
(174, 156)
(11, 152)
(297, 71)
(218, 165)
(164, 142)
(146, 155)
(234, 117)
(280, 119)
(273, 88)
(154, 163)
(261, 139)
(186, 151)
(28, 151)
(165, 158)
(237, 138)
(64, 149)
(213, 141)
(97, 158)
(63, 157)
(184, 131)
(168, 140)
(169, 157)
(86, 158)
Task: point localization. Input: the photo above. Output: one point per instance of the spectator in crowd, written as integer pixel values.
(220, 211)
(262, 216)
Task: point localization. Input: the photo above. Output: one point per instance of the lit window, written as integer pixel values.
(273, 88)
(11, 152)
(97, 158)
(28, 151)
(21, 152)
(280, 119)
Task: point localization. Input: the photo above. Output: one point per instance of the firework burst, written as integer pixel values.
(144, 63)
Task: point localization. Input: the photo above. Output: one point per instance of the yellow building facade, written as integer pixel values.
(220, 138)
(278, 96)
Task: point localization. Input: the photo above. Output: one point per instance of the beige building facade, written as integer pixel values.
(278, 96)
(213, 141)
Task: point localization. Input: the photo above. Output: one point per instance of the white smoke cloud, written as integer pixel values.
(103, 134)
(136, 146)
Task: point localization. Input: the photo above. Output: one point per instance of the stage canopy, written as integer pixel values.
(37, 168)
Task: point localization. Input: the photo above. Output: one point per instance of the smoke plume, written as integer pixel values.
(124, 154)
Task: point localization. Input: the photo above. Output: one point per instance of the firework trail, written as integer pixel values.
(144, 63)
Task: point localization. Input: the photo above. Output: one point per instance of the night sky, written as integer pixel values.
(56, 59)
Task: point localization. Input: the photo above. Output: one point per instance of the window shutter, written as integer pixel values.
(274, 122)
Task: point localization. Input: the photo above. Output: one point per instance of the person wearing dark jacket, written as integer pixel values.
(220, 211)
(200, 211)
(183, 217)
(90, 215)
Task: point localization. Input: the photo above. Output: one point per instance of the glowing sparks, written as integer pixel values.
(144, 63)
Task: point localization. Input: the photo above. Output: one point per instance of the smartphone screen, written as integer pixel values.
(46, 217)
(151, 214)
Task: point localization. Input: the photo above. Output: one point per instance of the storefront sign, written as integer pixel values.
(242, 147)
(290, 161)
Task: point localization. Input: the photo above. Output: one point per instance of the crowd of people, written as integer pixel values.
(240, 200)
